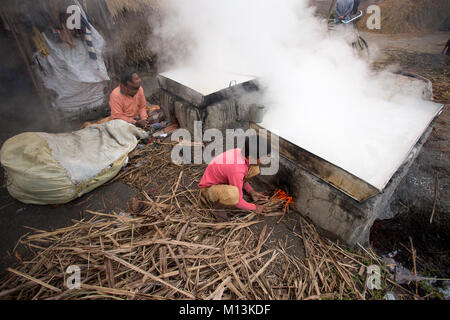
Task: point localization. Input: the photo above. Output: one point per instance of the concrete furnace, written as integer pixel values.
(343, 196)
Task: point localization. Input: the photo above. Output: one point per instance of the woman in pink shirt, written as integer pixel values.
(226, 177)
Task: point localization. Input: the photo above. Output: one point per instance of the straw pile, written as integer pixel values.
(116, 7)
(128, 44)
(408, 16)
(169, 246)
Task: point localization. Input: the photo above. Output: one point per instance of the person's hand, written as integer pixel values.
(260, 209)
(341, 17)
(141, 124)
(258, 196)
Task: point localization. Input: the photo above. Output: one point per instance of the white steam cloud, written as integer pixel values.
(319, 95)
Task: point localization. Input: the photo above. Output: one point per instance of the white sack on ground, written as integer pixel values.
(44, 168)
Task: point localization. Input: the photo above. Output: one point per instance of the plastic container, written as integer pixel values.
(256, 113)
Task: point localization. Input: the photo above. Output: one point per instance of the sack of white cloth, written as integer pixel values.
(44, 168)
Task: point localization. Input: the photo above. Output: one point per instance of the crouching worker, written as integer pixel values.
(226, 178)
(128, 103)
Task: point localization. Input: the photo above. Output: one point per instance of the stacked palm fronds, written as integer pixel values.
(407, 16)
(116, 7)
(182, 254)
(169, 246)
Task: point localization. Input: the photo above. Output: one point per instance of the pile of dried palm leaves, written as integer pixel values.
(169, 246)
(116, 7)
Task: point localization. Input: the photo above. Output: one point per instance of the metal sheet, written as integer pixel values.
(202, 87)
(324, 170)
(372, 154)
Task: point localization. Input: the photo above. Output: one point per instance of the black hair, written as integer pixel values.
(254, 146)
(127, 75)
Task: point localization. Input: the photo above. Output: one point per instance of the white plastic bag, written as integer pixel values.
(47, 168)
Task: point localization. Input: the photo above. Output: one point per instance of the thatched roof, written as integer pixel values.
(33, 10)
(117, 6)
(409, 16)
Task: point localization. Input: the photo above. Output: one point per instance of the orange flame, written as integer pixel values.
(284, 197)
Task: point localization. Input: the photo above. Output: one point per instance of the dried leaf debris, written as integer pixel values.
(169, 246)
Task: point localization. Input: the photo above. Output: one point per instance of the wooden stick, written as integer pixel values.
(274, 256)
(413, 252)
(219, 290)
(109, 290)
(330, 11)
(436, 191)
(130, 266)
(34, 280)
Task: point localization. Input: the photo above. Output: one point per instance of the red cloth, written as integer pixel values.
(126, 107)
(229, 168)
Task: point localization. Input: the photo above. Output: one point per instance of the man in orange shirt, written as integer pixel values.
(127, 101)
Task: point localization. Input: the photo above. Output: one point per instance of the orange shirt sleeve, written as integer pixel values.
(116, 109)
(142, 104)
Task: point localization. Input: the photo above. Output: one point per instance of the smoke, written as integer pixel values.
(319, 94)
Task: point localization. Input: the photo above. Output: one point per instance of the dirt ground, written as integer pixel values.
(426, 187)
(22, 111)
(430, 43)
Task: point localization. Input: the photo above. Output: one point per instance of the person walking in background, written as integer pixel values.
(345, 8)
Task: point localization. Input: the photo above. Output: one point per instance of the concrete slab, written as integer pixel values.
(342, 203)
(338, 215)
